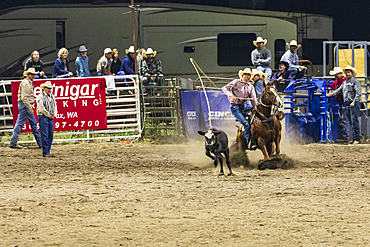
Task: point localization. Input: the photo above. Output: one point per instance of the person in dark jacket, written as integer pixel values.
(116, 62)
(282, 78)
(61, 66)
(34, 61)
(128, 63)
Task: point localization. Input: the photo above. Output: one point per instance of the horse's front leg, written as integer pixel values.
(262, 147)
(277, 143)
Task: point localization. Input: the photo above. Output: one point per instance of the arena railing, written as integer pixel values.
(123, 114)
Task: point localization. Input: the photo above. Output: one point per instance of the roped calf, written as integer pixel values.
(217, 143)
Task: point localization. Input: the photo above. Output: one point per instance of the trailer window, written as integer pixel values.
(312, 50)
(280, 49)
(234, 49)
(60, 34)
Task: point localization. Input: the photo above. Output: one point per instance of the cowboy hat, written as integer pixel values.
(293, 42)
(354, 71)
(336, 70)
(265, 75)
(256, 72)
(46, 84)
(30, 70)
(82, 49)
(258, 40)
(131, 50)
(245, 71)
(107, 50)
(150, 51)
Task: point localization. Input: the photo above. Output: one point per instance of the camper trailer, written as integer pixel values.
(218, 38)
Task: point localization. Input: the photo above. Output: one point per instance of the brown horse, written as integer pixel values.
(266, 126)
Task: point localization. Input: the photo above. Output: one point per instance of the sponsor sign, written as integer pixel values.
(81, 103)
(196, 116)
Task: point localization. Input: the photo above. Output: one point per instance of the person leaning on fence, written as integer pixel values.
(34, 61)
(47, 112)
(82, 62)
(25, 108)
(261, 56)
(115, 68)
(104, 63)
(242, 97)
(351, 90)
(339, 79)
(61, 66)
(291, 57)
(283, 77)
(152, 69)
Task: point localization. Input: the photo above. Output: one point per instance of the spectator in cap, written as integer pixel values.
(25, 108)
(242, 97)
(34, 61)
(61, 66)
(152, 69)
(337, 72)
(261, 56)
(82, 62)
(47, 112)
(291, 57)
(282, 78)
(351, 90)
(104, 63)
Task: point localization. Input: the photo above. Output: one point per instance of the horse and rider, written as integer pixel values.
(260, 120)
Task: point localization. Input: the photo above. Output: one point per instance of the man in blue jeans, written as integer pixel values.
(351, 90)
(242, 97)
(47, 112)
(25, 108)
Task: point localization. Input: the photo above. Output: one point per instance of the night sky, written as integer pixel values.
(351, 18)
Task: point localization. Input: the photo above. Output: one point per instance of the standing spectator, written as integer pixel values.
(47, 112)
(82, 63)
(61, 66)
(242, 97)
(34, 61)
(339, 79)
(291, 57)
(261, 56)
(25, 104)
(282, 78)
(257, 83)
(351, 90)
(128, 62)
(105, 62)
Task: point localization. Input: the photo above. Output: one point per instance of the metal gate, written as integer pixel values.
(161, 109)
(123, 115)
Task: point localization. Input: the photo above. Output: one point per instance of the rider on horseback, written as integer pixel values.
(242, 97)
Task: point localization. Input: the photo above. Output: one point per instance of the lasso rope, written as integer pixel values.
(204, 90)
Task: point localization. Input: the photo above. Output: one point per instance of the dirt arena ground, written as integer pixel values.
(115, 194)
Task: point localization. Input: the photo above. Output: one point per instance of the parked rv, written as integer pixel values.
(218, 38)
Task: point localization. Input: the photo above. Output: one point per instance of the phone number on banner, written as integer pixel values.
(77, 124)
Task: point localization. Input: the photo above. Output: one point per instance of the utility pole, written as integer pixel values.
(132, 6)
